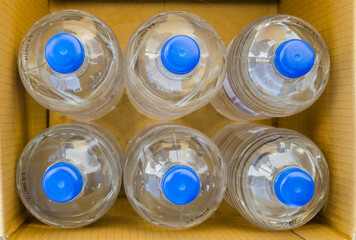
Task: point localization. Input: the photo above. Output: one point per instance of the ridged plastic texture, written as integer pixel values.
(174, 176)
(278, 179)
(278, 66)
(58, 158)
(71, 63)
(175, 63)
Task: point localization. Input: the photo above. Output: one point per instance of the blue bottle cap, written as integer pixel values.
(180, 184)
(294, 58)
(294, 187)
(62, 182)
(64, 53)
(180, 54)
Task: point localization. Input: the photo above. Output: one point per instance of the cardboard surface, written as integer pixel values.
(121, 222)
(330, 122)
(20, 116)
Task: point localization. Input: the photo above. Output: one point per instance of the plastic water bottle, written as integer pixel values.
(175, 63)
(277, 66)
(69, 175)
(174, 176)
(71, 63)
(278, 179)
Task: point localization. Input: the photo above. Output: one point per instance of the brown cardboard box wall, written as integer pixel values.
(330, 122)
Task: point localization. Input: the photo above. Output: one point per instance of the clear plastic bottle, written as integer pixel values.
(175, 63)
(278, 179)
(69, 175)
(277, 66)
(71, 63)
(174, 176)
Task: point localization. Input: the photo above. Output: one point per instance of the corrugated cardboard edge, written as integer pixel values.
(330, 122)
(20, 116)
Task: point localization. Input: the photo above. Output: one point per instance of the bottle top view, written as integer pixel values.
(174, 176)
(71, 63)
(175, 64)
(69, 175)
(278, 65)
(278, 179)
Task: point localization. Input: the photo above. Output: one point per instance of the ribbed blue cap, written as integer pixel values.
(180, 184)
(294, 58)
(294, 187)
(62, 182)
(180, 54)
(64, 53)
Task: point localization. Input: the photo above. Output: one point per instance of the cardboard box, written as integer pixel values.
(330, 122)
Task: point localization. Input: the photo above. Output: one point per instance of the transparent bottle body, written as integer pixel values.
(91, 91)
(159, 93)
(254, 88)
(89, 147)
(151, 153)
(254, 156)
